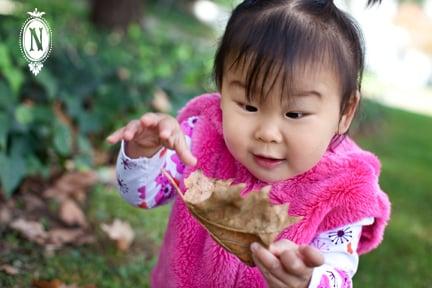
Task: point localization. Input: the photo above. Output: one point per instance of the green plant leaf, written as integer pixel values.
(12, 171)
(62, 139)
(11, 73)
(84, 145)
(24, 114)
(47, 80)
(35, 166)
(7, 99)
(4, 57)
(4, 126)
(15, 79)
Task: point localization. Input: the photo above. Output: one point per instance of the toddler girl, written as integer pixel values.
(288, 74)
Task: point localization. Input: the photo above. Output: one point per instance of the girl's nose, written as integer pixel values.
(268, 132)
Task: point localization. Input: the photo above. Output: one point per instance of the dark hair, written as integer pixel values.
(285, 36)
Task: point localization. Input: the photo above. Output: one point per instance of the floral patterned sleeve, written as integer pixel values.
(339, 248)
(141, 182)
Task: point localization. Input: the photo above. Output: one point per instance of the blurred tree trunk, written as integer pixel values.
(183, 5)
(116, 13)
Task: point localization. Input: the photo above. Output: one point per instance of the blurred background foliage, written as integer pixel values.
(98, 76)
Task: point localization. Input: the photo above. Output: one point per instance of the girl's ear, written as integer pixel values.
(348, 116)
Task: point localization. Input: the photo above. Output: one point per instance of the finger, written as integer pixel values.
(167, 127)
(116, 136)
(272, 281)
(170, 133)
(266, 257)
(311, 256)
(150, 120)
(293, 264)
(131, 128)
(278, 247)
(183, 150)
(272, 264)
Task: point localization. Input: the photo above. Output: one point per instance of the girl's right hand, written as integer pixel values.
(145, 136)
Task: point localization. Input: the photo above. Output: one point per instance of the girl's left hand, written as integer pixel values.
(286, 264)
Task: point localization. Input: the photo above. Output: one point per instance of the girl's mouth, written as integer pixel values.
(267, 162)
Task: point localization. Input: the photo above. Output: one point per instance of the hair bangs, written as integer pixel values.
(276, 46)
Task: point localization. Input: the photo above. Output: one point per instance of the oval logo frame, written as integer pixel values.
(35, 40)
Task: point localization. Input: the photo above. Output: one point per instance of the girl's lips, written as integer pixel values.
(267, 162)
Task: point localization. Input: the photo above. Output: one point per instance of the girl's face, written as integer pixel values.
(277, 141)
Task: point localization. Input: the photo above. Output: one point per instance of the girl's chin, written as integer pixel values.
(272, 176)
(269, 177)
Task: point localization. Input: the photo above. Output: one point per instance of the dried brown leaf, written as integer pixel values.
(69, 286)
(71, 184)
(71, 214)
(54, 238)
(9, 269)
(47, 283)
(32, 230)
(55, 283)
(123, 73)
(61, 236)
(5, 215)
(121, 232)
(232, 220)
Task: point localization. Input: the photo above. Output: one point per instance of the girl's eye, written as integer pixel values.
(247, 107)
(295, 115)
(250, 108)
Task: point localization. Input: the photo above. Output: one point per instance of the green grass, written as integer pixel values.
(404, 145)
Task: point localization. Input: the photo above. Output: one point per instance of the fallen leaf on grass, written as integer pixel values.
(61, 236)
(47, 283)
(54, 238)
(5, 214)
(232, 220)
(71, 184)
(9, 269)
(55, 283)
(121, 232)
(32, 230)
(71, 214)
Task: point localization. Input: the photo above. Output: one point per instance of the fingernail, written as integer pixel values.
(164, 133)
(254, 247)
(272, 248)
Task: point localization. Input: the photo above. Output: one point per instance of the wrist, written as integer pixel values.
(134, 150)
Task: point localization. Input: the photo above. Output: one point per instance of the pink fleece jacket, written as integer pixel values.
(341, 189)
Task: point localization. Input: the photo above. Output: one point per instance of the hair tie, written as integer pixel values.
(323, 3)
(248, 3)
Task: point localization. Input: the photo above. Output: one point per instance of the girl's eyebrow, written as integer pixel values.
(237, 83)
(240, 84)
(309, 93)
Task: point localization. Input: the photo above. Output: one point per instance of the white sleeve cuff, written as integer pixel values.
(137, 160)
(135, 173)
